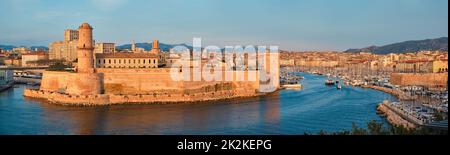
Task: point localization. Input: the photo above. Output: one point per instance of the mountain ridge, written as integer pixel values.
(406, 46)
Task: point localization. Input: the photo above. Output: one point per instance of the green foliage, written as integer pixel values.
(358, 131)
(58, 66)
(440, 116)
(378, 128)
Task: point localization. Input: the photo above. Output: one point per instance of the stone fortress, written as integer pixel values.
(96, 83)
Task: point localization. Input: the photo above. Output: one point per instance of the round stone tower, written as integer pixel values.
(86, 81)
(85, 49)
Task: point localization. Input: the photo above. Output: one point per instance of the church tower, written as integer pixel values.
(85, 48)
(155, 47)
(133, 47)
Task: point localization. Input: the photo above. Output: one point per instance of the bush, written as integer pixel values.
(58, 66)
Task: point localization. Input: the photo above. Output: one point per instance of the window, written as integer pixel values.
(154, 61)
(110, 61)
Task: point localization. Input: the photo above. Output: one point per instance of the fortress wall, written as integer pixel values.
(138, 81)
(411, 79)
(85, 84)
(151, 81)
(55, 81)
(109, 99)
(71, 83)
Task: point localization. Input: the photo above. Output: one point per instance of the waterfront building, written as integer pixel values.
(429, 80)
(440, 66)
(288, 62)
(422, 66)
(66, 49)
(33, 59)
(13, 61)
(6, 77)
(126, 60)
(21, 50)
(71, 35)
(105, 48)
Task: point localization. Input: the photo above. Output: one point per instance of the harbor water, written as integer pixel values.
(288, 112)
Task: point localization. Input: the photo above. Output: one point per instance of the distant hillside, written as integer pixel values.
(7, 47)
(149, 46)
(407, 46)
(10, 47)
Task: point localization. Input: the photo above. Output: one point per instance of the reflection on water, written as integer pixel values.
(315, 108)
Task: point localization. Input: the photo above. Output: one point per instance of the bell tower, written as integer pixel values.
(155, 47)
(85, 49)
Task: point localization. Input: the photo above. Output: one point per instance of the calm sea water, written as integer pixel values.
(289, 112)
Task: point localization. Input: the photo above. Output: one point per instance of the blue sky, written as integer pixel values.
(290, 24)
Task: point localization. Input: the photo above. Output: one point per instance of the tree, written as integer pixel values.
(376, 128)
(358, 131)
(58, 66)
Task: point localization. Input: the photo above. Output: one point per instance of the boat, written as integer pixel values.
(339, 87)
(6, 86)
(292, 86)
(329, 82)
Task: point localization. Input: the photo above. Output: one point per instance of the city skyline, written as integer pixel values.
(292, 25)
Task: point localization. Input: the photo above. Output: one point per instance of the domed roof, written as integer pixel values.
(85, 26)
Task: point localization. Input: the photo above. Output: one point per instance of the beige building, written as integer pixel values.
(422, 66)
(71, 35)
(105, 48)
(440, 66)
(63, 50)
(21, 50)
(13, 62)
(287, 62)
(67, 49)
(32, 59)
(127, 60)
